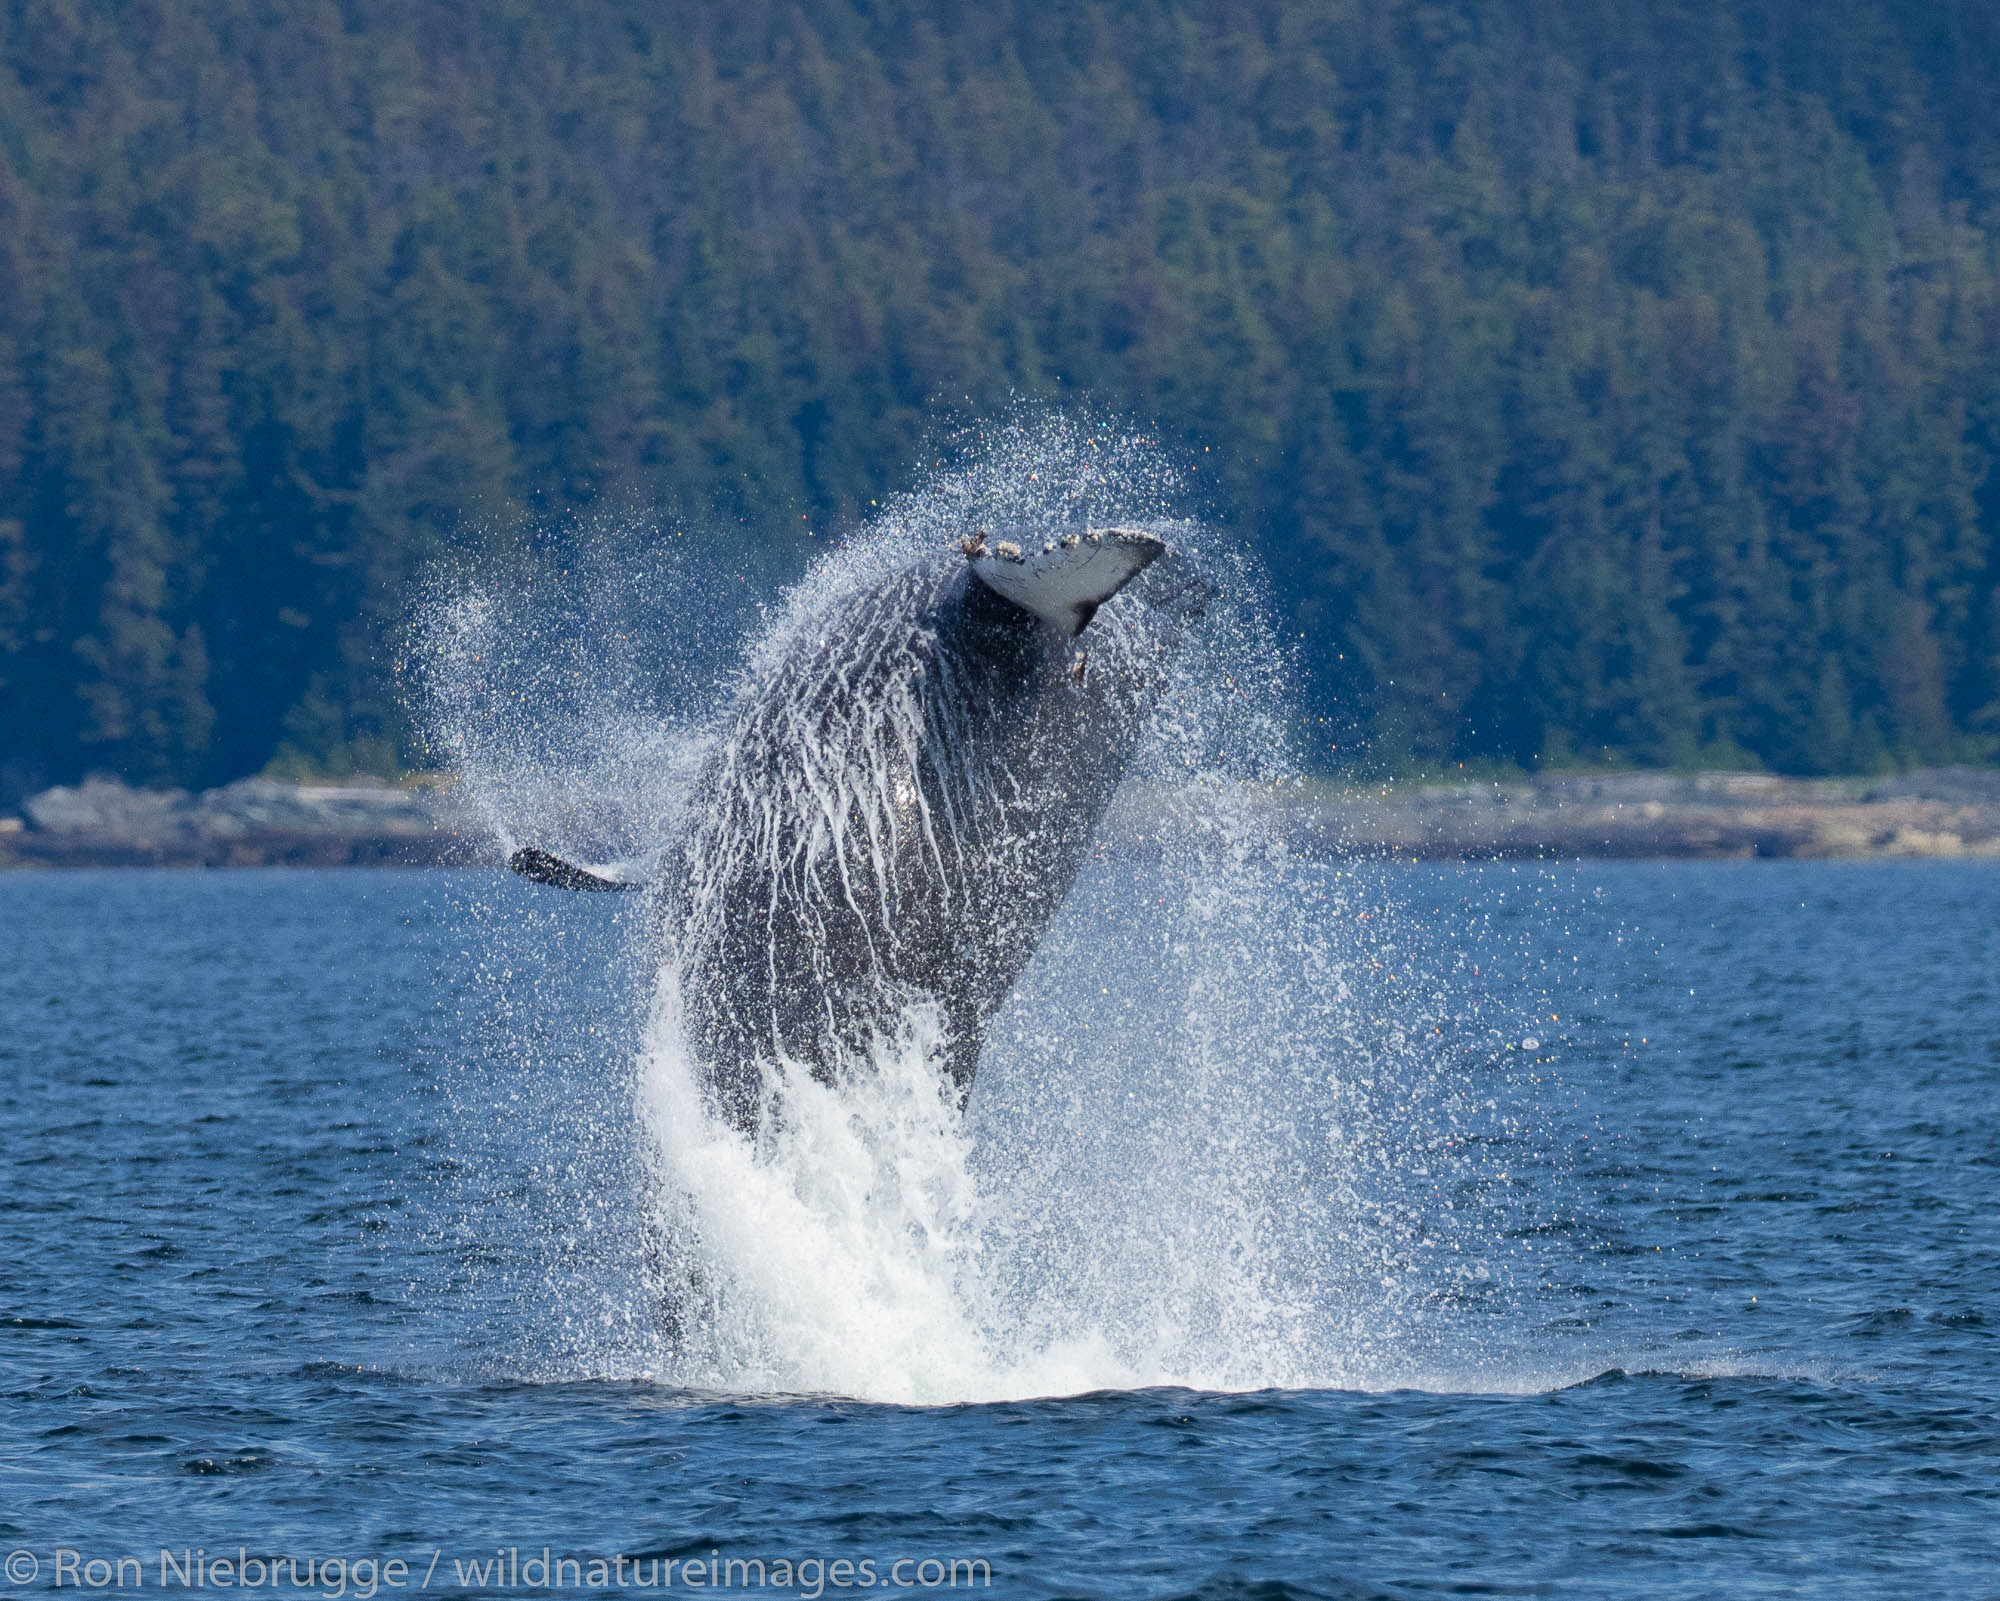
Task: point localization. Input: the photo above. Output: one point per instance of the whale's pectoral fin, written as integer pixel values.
(544, 868)
(1067, 579)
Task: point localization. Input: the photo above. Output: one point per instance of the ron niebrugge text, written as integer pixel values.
(336, 1578)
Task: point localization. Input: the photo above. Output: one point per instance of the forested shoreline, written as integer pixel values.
(1599, 383)
(1938, 813)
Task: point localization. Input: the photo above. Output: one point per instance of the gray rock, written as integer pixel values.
(105, 806)
(255, 821)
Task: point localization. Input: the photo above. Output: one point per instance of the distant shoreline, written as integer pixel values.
(1938, 813)
(1941, 813)
(255, 822)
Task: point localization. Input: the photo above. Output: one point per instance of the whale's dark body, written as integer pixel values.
(896, 806)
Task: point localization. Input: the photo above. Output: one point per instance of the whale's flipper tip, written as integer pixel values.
(1064, 581)
(545, 868)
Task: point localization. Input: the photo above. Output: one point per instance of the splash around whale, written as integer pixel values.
(896, 805)
(873, 817)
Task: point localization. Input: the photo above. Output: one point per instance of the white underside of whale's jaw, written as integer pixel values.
(1062, 580)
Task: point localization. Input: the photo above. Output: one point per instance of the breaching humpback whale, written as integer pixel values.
(894, 808)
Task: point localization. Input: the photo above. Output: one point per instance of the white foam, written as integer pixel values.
(1208, 1145)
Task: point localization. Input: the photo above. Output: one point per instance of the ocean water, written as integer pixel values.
(1603, 1229)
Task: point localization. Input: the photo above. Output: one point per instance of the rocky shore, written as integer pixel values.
(1944, 812)
(257, 822)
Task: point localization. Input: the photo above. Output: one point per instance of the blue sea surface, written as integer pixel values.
(296, 1165)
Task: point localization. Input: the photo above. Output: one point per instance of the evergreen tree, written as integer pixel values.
(1599, 382)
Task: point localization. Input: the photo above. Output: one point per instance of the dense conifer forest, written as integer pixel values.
(1599, 381)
